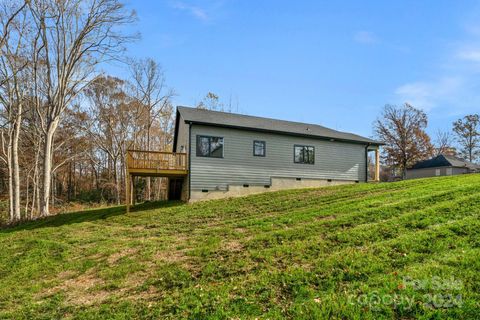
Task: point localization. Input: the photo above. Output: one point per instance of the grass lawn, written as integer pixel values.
(400, 250)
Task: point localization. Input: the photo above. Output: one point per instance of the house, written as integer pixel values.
(441, 165)
(219, 154)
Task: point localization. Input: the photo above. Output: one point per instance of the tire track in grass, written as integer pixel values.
(343, 222)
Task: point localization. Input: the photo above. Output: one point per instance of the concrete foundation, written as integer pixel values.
(276, 185)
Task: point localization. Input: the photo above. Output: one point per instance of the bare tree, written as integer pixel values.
(467, 131)
(112, 116)
(149, 88)
(211, 101)
(13, 90)
(403, 131)
(444, 143)
(51, 143)
(8, 15)
(74, 37)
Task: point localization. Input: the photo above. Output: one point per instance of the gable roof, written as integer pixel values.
(445, 161)
(240, 121)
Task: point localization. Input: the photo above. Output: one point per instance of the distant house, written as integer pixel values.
(442, 165)
(219, 154)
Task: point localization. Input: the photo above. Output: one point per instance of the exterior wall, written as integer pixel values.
(182, 136)
(432, 172)
(333, 160)
(277, 184)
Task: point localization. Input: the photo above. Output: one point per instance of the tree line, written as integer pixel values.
(65, 126)
(403, 130)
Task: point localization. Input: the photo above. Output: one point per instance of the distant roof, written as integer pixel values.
(240, 121)
(445, 161)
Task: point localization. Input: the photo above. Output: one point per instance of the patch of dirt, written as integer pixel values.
(151, 294)
(130, 291)
(78, 290)
(112, 259)
(326, 218)
(171, 256)
(233, 246)
(241, 230)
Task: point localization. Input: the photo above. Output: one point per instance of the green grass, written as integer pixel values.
(349, 252)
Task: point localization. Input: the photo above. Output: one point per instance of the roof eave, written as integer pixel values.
(363, 142)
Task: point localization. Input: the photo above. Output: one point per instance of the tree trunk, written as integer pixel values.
(148, 188)
(117, 181)
(27, 196)
(36, 185)
(52, 188)
(47, 171)
(15, 166)
(10, 184)
(470, 149)
(69, 183)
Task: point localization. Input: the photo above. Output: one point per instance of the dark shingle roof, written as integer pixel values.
(225, 119)
(445, 161)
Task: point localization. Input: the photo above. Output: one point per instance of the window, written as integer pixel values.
(304, 154)
(209, 147)
(259, 148)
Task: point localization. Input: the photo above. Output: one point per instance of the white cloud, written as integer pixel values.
(428, 95)
(452, 89)
(416, 93)
(365, 37)
(472, 55)
(195, 11)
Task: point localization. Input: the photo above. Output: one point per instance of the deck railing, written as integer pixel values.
(156, 160)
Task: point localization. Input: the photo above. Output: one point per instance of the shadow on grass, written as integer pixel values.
(86, 216)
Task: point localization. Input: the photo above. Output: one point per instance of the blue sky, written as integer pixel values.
(335, 63)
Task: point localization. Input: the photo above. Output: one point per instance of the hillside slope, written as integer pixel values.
(406, 250)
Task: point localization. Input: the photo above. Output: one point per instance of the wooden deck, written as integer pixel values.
(153, 164)
(156, 163)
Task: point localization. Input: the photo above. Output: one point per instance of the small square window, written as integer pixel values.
(259, 148)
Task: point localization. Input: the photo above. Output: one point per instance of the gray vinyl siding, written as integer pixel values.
(460, 171)
(182, 136)
(431, 172)
(333, 160)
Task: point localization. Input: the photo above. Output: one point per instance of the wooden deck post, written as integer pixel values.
(134, 191)
(377, 165)
(127, 191)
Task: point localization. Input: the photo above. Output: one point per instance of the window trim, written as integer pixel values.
(264, 148)
(199, 136)
(303, 145)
